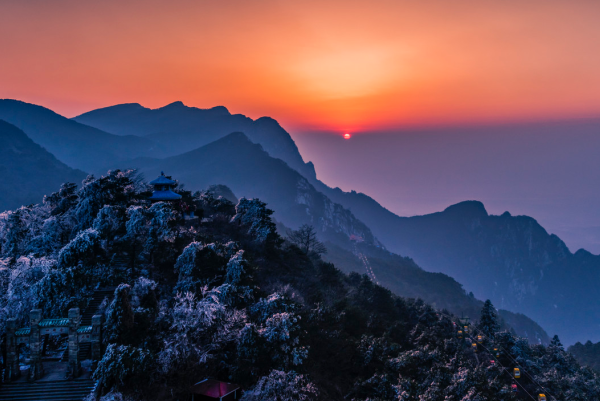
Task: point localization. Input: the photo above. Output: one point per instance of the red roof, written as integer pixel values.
(214, 388)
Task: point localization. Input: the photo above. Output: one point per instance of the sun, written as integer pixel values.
(347, 136)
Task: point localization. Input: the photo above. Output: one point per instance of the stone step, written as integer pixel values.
(67, 390)
(85, 351)
(32, 388)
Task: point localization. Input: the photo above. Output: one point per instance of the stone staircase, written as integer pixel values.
(59, 390)
(121, 264)
(85, 349)
(92, 308)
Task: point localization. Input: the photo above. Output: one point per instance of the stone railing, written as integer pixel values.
(39, 327)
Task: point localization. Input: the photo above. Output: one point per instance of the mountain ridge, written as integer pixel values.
(28, 170)
(89, 148)
(178, 128)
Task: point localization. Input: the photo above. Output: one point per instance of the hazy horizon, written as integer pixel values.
(548, 171)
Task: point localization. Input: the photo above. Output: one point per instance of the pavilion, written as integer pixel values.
(163, 189)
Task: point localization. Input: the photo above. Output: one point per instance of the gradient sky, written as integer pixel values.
(338, 66)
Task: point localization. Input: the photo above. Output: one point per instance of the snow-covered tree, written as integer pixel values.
(236, 268)
(488, 322)
(123, 366)
(254, 215)
(83, 248)
(109, 222)
(282, 386)
(200, 329)
(119, 316)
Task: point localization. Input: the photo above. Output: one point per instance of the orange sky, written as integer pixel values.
(337, 65)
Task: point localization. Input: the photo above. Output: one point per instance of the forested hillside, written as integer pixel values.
(227, 297)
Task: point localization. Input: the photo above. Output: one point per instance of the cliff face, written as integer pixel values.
(511, 260)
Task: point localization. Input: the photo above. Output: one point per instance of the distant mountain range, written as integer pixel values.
(77, 145)
(27, 170)
(510, 260)
(177, 129)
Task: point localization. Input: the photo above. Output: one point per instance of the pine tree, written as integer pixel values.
(555, 342)
(488, 323)
(119, 316)
(306, 239)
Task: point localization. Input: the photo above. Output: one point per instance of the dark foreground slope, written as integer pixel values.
(28, 171)
(77, 145)
(404, 277)
(231, 300)
(178, 128)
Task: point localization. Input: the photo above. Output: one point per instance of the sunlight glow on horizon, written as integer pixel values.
(313, 66)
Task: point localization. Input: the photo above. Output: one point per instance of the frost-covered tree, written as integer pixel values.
(236, 268)
(282, 386)
(78, 262)
(119, 316)
(64, 200)
(197, 264)
(161, 232)
(109, 222)
(254, 215)
(83, 248)
(20, 282)
(200, 330)
(14, 232)
(488, 322)
(117, 188)
(143, 293)
(124, 366)
(281, 332)
(136, 227)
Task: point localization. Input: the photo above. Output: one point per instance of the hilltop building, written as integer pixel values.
(163, 189)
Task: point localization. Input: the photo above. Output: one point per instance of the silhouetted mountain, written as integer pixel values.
(251, 172)
(511, 260)
(28, 171)
(178, 128)
(75, 144)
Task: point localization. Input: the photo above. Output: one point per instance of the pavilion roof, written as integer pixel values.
(162, 180)
(214, 388)
(165, 196)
